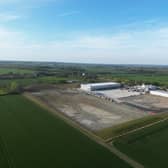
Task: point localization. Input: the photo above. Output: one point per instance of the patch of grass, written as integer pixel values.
(129, 126)
(34, 138)
(38, 80)
(147, 146)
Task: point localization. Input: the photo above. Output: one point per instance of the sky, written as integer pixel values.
(85, 31)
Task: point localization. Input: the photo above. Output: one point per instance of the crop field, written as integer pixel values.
(142, 78)
(15, 71)
(112, 132)
(132, 75)
(39, 80)
(148, 146)
(31, 137)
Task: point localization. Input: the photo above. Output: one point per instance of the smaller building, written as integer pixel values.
(100, 86)
(159, 93)
(152, 87)
(144, 88)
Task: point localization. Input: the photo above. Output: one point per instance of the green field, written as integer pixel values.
(131, 74)
(6, 83)
(126, 74)
(148, 146)
(117, 130)
(15, 71)
(31, 137)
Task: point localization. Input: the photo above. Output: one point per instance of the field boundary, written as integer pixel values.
(86, 132)
(135, 130)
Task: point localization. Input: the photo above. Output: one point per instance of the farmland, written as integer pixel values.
(131, 74)
(147, 146)
(115, 131)
(63, 132)
(15, 71)
(32, 137)
(25, 73)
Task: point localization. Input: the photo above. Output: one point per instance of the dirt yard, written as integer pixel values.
(149, 101)
(91, 112)
(117, 93)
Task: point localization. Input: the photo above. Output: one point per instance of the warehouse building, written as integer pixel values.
(159, 93)
(100, 86)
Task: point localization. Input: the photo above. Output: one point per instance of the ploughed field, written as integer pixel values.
(31, 137)
(148, 146)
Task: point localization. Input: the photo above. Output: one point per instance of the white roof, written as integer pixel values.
(100, 84)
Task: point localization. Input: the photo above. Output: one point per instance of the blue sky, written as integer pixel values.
(88, 31)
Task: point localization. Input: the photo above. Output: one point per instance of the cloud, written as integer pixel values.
(4, 17)
(26, 4)
(25, 1)
(147, 46)
(69, 13)
(10, 39)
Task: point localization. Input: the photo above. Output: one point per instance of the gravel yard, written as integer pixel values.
(91, 112)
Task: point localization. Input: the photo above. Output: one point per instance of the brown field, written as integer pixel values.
(91, 112)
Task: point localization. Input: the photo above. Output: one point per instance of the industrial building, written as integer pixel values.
(143, 88)
(159, 93)
(100, 86)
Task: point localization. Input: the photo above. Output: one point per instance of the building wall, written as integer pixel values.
(108, 86)
(99, 86)
(85, 87)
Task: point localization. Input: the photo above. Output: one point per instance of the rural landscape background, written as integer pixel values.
(83, 83)
(35, 133)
